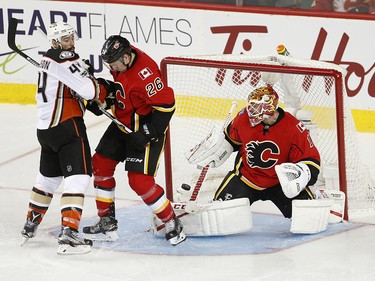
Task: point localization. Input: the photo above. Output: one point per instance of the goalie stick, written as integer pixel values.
(12, 29)
(189, 205)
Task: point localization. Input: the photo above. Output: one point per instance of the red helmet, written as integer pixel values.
(261, 104)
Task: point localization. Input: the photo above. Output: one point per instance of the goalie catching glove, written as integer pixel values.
(214, 149)
(293, 177)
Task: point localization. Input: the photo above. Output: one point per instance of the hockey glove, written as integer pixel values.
(88, 66)
(109, 97)
(93, 106)
(108, 84)
(293, 177)
(144, 136)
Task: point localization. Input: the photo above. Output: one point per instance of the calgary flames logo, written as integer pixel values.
(259, 154)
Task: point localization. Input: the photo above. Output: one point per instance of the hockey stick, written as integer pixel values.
(114, 120)
(13, 22)
(190, 207)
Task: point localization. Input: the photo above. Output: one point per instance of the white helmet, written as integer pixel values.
(60, 29)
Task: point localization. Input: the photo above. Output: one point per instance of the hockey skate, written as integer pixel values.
(70, 243)
(104, 230)
(29, 229)
(173, 231)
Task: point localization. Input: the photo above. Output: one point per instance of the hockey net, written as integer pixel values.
(205, 88)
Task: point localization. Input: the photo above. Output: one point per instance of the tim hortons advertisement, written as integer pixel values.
(164, 31)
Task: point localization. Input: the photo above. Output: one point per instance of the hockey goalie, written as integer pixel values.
(276, 160)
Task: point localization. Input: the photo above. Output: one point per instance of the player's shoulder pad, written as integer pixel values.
(294, 122)
(61, 55)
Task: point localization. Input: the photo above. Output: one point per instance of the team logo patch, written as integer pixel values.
(262, 154)
(144, 73)
(66, 55)
(301, 127)
(116, 45)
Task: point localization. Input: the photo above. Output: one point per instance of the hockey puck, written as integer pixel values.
(185, 186)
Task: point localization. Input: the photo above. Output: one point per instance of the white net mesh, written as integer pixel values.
(204, 94)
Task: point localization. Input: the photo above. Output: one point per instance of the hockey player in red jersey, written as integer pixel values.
(276, 158)
(145, 104)
(63, 84)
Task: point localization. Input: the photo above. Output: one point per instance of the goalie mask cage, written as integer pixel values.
(206, 86)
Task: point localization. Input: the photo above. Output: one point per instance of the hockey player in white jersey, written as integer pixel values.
(63, 85)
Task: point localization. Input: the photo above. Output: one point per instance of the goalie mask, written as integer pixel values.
(60, 29)
(114, 49)
(261, 104)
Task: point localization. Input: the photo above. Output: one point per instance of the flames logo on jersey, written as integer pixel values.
(256, 153)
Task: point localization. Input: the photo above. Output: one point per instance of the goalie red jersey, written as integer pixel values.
(140, 90)
(262, 147)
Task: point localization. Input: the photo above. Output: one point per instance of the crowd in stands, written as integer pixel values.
(351, 6)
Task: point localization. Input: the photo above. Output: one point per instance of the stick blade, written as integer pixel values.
(13, 22)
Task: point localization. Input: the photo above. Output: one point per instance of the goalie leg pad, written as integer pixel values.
(337, 209)
(217, 219)
(310, 216)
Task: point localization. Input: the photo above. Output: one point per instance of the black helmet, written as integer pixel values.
(114, 48)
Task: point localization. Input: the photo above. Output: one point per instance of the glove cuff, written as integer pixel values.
(149, 131)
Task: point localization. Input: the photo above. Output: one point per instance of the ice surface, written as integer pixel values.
(345, 255)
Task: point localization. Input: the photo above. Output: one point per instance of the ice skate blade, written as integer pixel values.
(24, 240)
(110, 236)
(177, 239)
(65, 249)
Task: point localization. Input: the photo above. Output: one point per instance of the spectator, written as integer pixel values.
(350, 6)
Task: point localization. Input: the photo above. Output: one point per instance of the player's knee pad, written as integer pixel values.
(76, 184)
(47, 184)
(103, 170)
(141, 183)
(103, 165)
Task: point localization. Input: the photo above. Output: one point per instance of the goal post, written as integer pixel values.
(313, 91)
